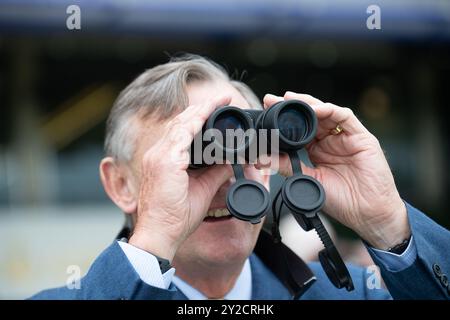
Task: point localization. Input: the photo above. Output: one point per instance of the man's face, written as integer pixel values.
(217, 241)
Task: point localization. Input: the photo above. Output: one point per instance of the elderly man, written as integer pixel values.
(185, 245)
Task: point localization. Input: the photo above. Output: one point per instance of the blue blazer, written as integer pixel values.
(112, 276)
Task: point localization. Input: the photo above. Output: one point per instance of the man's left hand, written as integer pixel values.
(350, 164)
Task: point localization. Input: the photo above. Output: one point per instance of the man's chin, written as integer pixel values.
(219, 241)
(220, 256)
(223, 242)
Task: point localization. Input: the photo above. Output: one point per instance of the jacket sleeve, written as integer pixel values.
(111, 277)
(427, 277)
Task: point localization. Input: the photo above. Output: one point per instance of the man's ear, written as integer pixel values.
(117, 183)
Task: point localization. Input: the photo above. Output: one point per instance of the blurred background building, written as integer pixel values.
(57, 87)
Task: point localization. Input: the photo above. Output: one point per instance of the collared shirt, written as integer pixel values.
(242, 289)
(147, 267)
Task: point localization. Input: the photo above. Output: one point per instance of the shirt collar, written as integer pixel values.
(242, 289)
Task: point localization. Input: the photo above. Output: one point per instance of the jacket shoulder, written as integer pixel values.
(111, 277)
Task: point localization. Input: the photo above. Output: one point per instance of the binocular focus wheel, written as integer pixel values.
(248, 200)
(303, 194)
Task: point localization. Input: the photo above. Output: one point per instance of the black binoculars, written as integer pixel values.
(242, 135)
(239, 136)
(232, 133)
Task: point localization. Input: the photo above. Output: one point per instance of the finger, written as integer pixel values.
(330, 115)
(201, 114)
(203, 111)
(302, 97)
(270, 99)
(187, 124)
(264, 161)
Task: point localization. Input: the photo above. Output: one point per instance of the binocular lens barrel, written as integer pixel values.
(228, 121)
(293, 122)
(231, 123)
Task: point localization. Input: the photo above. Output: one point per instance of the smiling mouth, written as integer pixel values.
(217, 215)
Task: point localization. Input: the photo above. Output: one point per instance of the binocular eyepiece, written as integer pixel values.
(293, 121)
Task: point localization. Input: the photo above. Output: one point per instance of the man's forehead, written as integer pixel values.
(202, 92)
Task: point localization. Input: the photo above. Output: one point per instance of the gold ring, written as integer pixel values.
(337, 130)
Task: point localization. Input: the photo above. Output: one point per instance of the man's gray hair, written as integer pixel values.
(160, 92)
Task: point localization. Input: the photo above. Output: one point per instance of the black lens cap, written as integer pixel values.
(248, 200)
(303, 194)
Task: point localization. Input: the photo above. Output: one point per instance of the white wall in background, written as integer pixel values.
(38, 245)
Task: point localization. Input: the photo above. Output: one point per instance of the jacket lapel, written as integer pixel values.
(265, 285)
(178, 295)
(285, 266)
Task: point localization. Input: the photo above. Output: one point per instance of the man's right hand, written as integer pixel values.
(171, 203)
